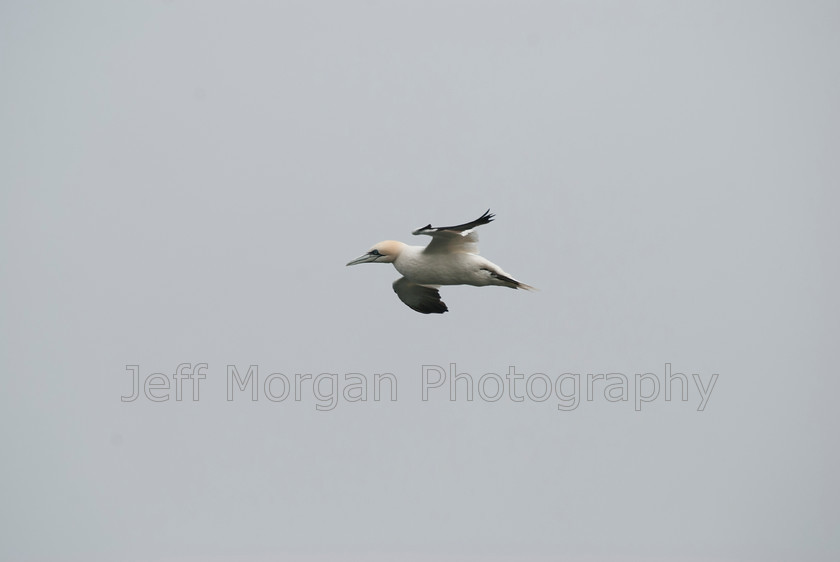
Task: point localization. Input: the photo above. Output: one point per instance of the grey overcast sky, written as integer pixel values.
(183, 182)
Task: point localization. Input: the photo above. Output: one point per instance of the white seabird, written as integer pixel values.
(451, 258)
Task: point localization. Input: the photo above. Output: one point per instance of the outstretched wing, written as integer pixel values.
(455, 239)
(421, 298)
(483, 219)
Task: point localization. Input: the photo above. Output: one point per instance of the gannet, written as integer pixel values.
(451, 258)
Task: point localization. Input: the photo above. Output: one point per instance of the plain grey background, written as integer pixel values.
(183, 182)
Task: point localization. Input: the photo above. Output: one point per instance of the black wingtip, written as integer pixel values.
(483, 219)
(431, 308)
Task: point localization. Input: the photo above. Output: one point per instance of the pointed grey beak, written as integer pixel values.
(363, 259)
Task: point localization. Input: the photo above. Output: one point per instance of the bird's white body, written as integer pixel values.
(425, 268)
(451, 258)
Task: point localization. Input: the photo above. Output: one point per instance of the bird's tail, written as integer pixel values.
(511, 282)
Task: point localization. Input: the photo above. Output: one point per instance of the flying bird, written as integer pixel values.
(451, 258)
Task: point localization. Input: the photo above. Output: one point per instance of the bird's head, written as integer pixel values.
(384, 252)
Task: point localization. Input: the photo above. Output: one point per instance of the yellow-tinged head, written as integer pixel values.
(384, 252)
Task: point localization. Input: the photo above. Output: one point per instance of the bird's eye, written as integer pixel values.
(374, 253)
